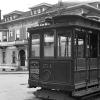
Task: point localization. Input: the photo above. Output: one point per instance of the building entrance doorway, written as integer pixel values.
(22, 57)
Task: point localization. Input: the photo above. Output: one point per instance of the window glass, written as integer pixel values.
(43, 9)
(4, 36)
(11, 33)
(86, 45)
(7, 18)
(39, 10)
(4, 55)
(93, 38)
(79, 45)
(35, 12)
(35, 45)
(13, 57)
(0, 36)
(10, 17)
(14, 16)
(64, 45)
(49, 45)
(17, 34)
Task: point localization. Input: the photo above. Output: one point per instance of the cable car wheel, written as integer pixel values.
(46, 75)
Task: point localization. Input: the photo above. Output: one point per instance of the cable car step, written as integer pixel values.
(52, 95)
(86, 91)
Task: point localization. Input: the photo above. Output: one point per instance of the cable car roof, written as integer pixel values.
(68, 21)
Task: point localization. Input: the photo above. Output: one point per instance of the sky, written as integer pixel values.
(7, 6)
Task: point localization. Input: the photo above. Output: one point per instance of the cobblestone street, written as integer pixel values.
(15, 87)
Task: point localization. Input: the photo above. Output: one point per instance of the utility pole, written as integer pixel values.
(60, 4)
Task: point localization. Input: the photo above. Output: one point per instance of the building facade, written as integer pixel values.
(14, 25)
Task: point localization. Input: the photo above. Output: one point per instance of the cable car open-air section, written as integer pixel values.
(64, 57)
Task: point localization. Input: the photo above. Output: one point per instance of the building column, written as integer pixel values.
(26, 55)
(18, 59)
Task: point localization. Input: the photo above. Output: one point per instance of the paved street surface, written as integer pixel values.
(15, 87)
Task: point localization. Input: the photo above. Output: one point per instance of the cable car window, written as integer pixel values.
(49, 45)
(86, 44)
(64, 46)
(35, 45)
(79, 45)
(93, 38)
(80, 48)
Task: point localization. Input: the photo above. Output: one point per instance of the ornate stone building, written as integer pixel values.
(13, 29)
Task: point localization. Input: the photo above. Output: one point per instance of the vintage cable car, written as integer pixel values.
(64, 54)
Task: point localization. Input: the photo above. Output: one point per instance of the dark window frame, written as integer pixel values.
(3, 57)
(13, 57)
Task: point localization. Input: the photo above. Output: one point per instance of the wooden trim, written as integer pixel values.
(73, 56)
(55, 43)
(41, 45)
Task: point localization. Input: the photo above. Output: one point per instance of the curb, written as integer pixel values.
(14, 72)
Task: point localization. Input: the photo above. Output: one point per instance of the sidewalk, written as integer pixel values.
(14, 72)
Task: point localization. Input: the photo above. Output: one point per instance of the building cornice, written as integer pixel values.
(41, 4)
(14, 12)
(65, 8)
(20, 19)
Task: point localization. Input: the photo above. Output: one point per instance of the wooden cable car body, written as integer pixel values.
(66, 55)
